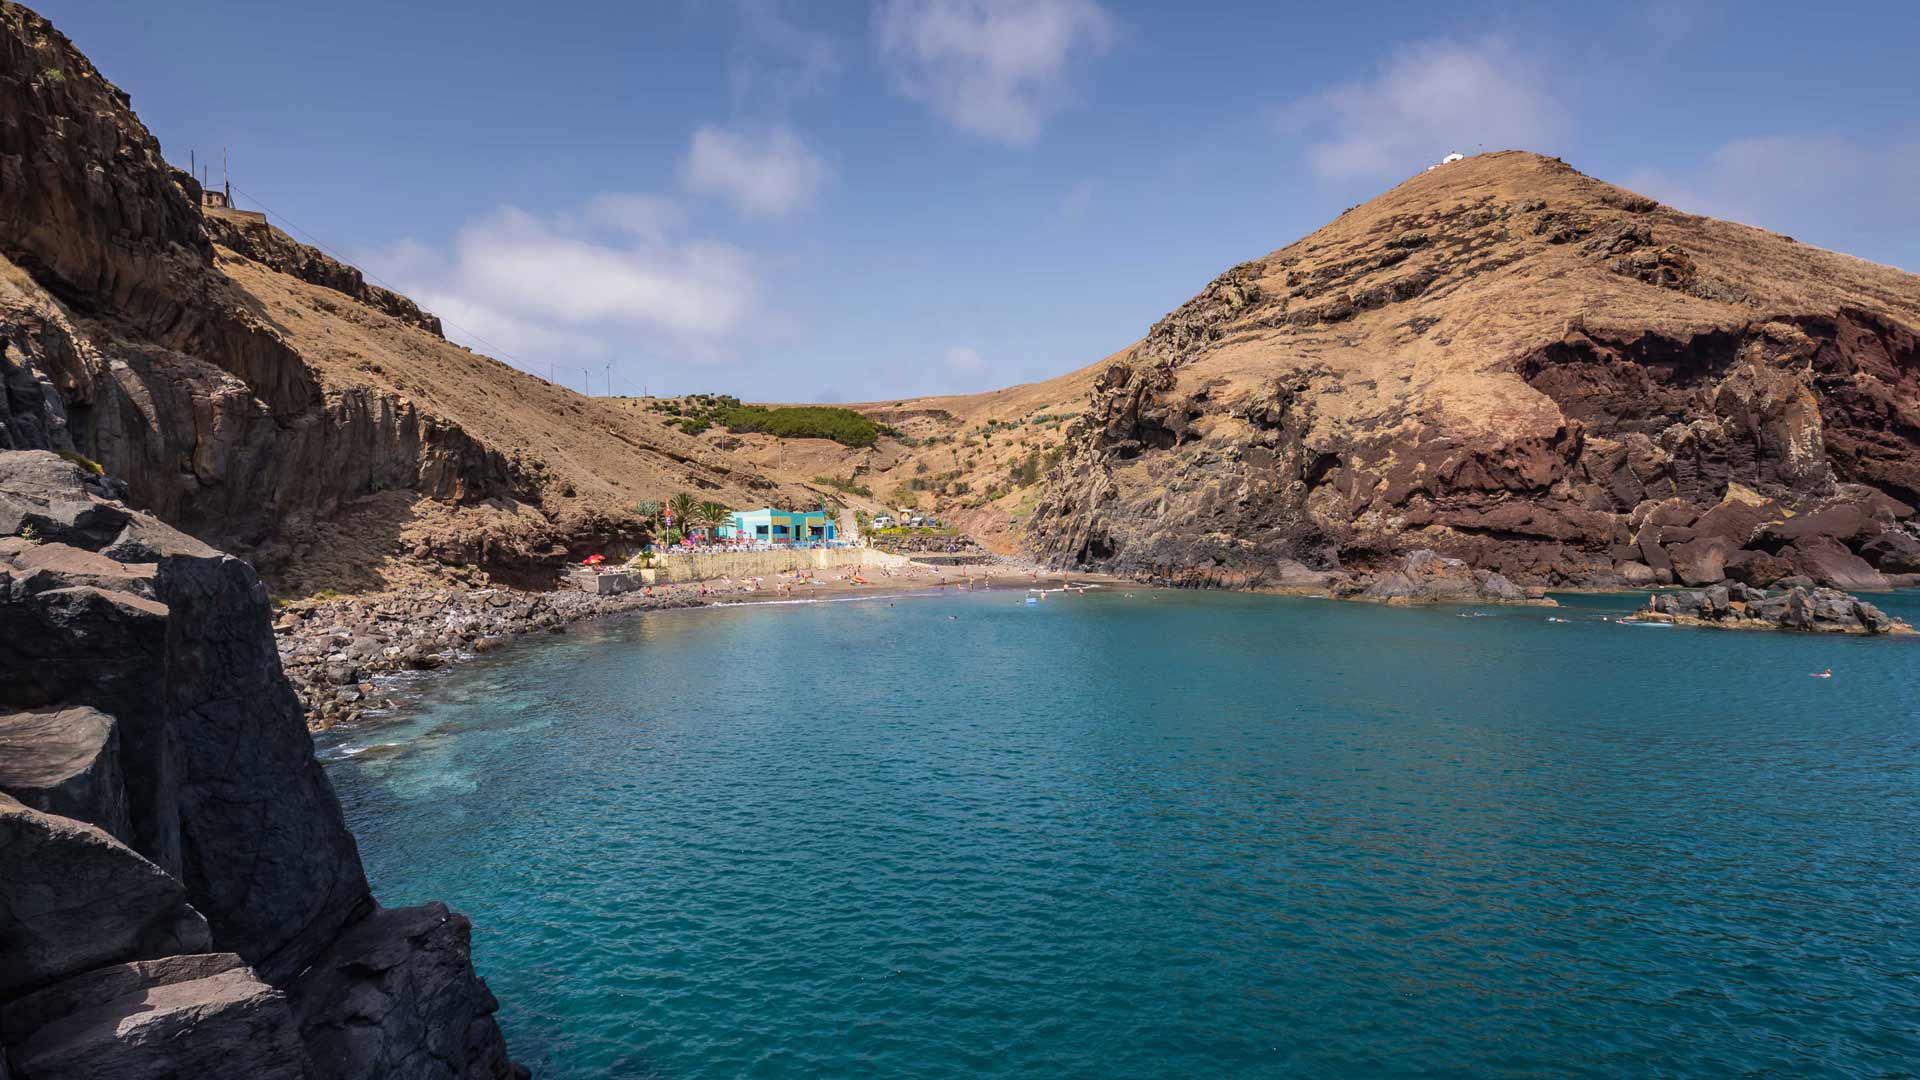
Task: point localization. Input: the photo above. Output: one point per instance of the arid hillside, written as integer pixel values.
(263, 396)
(1512, 363)
(977, 460)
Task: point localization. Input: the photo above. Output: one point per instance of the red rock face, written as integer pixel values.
(1521, 367)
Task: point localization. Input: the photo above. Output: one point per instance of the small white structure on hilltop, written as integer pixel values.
(1448, 160)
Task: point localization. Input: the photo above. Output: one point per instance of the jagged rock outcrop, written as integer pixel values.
(251, 237)
(177, 808)
(1799, 606)
(1425, 577)
(1518, 366)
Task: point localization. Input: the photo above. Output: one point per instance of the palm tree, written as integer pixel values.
(713, 514)
(684, 508)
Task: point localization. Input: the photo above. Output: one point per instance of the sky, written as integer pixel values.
(855, 200)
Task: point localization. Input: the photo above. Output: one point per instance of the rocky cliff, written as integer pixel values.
(179, 894)
(263, 396)
(1516, 365)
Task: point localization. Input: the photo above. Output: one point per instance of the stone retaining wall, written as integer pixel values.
(683, 567)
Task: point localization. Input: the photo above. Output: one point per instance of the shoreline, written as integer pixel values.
(337, 651)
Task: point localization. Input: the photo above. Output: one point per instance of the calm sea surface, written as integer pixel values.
(1171, 834)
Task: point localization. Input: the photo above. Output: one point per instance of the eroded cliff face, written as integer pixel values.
(1513, 364)
(124, 342)
(256, 392)
(179, 894)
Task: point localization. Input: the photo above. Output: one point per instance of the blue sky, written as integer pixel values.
(865, 200)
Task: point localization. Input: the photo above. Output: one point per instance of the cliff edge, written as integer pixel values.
(179, 894)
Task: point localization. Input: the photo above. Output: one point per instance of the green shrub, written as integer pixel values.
(844, 426)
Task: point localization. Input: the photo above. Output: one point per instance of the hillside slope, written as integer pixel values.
(263, 396)
(1518, 365)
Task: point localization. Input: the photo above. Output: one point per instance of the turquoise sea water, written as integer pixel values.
(1171, 834)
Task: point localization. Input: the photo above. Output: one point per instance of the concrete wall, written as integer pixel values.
(609, 583)
(683, 567)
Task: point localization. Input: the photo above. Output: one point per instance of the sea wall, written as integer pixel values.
(684, 567)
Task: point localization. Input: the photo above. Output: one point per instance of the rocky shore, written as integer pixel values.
(179, 893)
(1801, 606)
(335, 649)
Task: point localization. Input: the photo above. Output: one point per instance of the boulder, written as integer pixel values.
(1634, 574)
(396, 996)
(1893, 550)
(1702, 560)
(1757, 568)
(1829, 563)
(73, 897)
(66, 762)
(184, 1016)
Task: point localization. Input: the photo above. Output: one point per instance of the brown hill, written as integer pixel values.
(1516, 364)
(263, 396)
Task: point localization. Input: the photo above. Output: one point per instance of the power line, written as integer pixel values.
(315, 241)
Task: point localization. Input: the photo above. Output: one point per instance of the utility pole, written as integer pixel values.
(609, 378)
(586, 381)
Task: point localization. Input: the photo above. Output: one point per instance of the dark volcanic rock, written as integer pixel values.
(1798, 607)
(150, 702)
(66, 762)
(185, 1016)
(396, 996)
(72, 897)
(221, 784)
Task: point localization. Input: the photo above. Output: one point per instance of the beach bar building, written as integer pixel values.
(780, 526)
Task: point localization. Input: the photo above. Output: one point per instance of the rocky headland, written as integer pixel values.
(1521, 367)
(179, 894)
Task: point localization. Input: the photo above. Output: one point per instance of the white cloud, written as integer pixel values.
(554, 288)
(763, 176)
(1828, 190)
(997, 68)
(965, 361)
(775, 61)
(650, 217)
(1426, 100)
